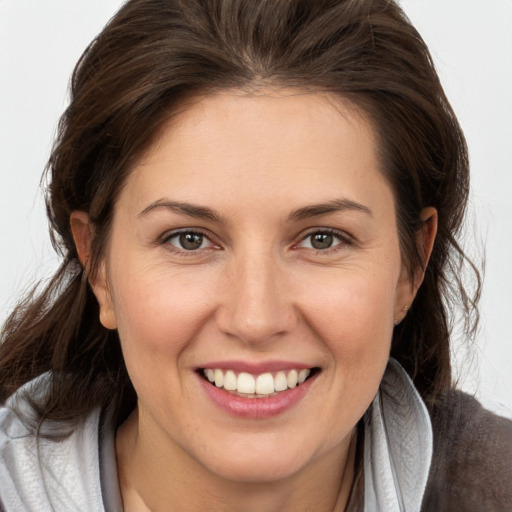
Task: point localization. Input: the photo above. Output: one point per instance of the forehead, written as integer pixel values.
(274, 145)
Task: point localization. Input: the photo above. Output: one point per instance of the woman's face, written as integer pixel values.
(255, 243)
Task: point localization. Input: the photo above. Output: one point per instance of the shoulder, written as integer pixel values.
(18, 449)
(472, 460)
(40, 466)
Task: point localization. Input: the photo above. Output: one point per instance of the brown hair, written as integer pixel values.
(136, 73)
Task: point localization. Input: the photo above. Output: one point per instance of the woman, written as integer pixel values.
(257, 204)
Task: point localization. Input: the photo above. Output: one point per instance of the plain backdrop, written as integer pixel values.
(471, 42)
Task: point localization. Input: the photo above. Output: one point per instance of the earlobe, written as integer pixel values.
(82, 230)
(107, 314)
(101, 289)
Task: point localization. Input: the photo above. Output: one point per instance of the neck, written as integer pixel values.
(152, 478)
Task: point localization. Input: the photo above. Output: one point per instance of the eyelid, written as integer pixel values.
(344, 238)
(168, 235)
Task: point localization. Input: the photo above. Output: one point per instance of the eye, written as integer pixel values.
(189, 241)
(322, 240)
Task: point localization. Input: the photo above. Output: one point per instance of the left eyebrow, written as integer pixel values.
(336, 205)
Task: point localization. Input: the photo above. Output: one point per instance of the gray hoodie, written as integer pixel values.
(78, 472)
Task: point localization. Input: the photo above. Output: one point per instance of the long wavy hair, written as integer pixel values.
(138, 71)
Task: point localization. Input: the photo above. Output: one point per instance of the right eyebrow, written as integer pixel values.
(189, 209)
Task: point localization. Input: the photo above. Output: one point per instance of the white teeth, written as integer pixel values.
(293, 378)
(219, 378)
(265, 384)
(280, 383)
(246, 383)
(230, 381)
(259, 386)
(303, 375)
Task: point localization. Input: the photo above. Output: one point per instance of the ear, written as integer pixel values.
(425, 242)
(409, 284)
(83, 235)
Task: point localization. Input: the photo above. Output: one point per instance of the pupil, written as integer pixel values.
(191, 241)
(321, 240)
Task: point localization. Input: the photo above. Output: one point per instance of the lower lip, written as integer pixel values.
(256, 408)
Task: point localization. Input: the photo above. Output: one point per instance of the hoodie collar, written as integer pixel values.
(397, 445)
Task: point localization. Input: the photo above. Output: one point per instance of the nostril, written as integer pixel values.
(256, 309)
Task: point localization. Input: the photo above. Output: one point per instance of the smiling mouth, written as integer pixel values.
(257, 386)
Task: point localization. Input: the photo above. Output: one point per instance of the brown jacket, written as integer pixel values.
(472, 461)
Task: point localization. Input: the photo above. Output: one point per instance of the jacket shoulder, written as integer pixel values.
(48, 465)
(471, 467)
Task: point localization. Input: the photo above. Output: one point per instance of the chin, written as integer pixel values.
(261, 460)
(256, 470)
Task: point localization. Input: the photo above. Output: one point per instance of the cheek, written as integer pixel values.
(352, 307)
(158, 310)
(354, 316)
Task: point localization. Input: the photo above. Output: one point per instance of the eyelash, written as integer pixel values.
(343, 238)
(167, 237)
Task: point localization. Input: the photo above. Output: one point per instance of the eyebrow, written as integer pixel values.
(336, 205)
(191, 210)
(306, 212)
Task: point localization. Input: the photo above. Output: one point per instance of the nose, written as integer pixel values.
(256, 307)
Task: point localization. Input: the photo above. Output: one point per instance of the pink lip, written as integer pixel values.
(255, 408)
(255, 368)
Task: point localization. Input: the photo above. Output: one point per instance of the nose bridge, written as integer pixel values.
(256, 307)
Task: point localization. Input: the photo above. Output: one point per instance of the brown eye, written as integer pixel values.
(189, 241)
(321, 240)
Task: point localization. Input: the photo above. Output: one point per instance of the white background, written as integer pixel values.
(40, 41)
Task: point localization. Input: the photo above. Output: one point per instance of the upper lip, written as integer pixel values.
(256, 368)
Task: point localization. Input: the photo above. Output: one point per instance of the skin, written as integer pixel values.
(256, 290)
